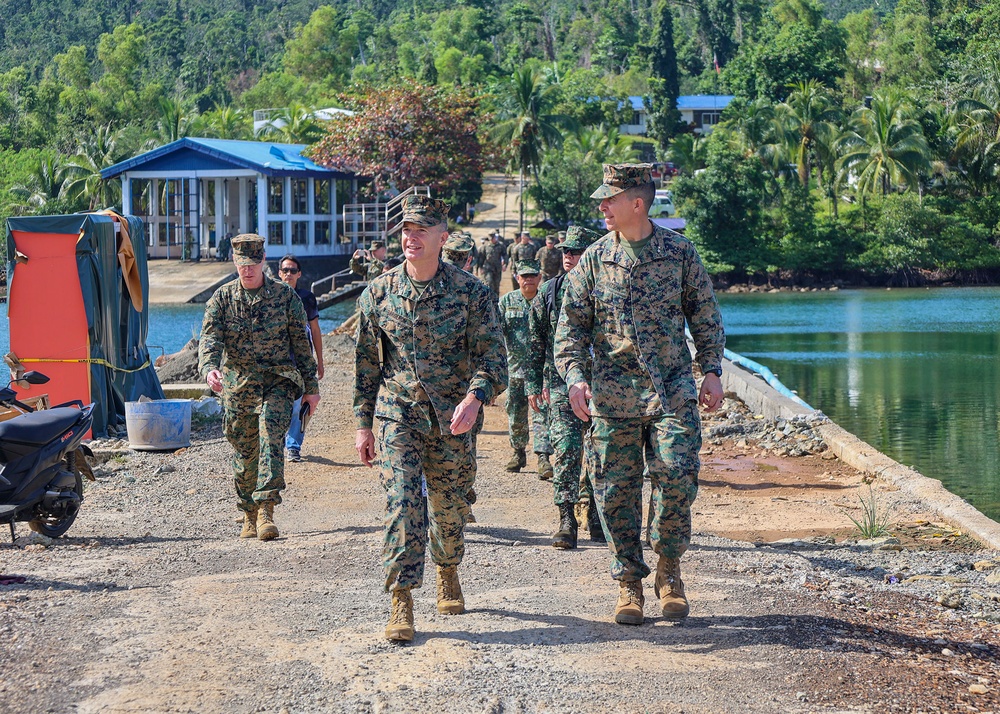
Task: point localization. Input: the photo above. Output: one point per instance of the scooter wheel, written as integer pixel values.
(54, 526)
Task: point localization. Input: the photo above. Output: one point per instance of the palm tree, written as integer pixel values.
(977, 119)
(296, 124)
(227, 123)
(82, 171)
(688, 153)
(805, 119)
(45, 183)
(885, 147)
(528, 123)
(602, 145)
(751, 129)
(173, 123)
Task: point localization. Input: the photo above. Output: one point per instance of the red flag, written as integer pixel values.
(715, 61)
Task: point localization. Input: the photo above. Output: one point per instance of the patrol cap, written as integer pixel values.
(619, 177)
(424, 211)
(578, 238)
(376, 244)
(459, 242)
(248, 249)
(528, 267)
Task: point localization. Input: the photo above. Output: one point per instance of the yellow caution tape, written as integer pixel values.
(98, 360)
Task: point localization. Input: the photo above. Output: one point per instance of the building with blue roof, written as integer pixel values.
(699, 111)
(193, 191)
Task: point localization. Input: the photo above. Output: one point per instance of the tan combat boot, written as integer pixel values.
(249, 524)
(517, 462)
(449, 595)
(628, 611)
(266, 530)
(400, 627)
(545, 470)
(670, 589)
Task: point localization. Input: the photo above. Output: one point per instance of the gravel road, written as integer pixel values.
(153, 604)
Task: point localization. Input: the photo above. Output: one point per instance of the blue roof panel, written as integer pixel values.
(196, 154)
(704, 101)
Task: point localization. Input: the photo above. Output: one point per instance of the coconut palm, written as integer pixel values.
(601, 145)
(44, 184)
(885, 147)
(82, 171)
(173, 123)
(227, 123)
(295, 124)
(528, 123)
(805, 119)
(977, 120)
(750, 128)
(688, 153)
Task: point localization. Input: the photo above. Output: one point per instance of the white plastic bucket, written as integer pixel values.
(158, 425)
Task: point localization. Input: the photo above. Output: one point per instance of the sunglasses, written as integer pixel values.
(572, 252)
(292, 271)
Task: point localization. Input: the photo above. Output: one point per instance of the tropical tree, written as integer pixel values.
(664, 118)
(173, 123)
(528, 123)
(45, 185)
(82, 172)
(227, 123)
(751, 128)
(804, 120)
(688, 152)
(885, 146)
(977, 119)
(295, 124)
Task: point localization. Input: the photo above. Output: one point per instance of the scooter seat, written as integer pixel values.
(38, 428)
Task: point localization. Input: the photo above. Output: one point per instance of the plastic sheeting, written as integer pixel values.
(95, 355)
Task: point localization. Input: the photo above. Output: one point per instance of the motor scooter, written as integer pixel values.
(42, 462)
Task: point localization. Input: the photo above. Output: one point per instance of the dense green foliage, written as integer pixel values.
(806, 175)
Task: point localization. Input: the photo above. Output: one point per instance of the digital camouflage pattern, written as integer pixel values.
(417, 357)
(514, 309)
(621, 177)
(448, 464)
(260, 345)
(632, 315)
(617, 450)
(424, 211)
(521, 251)
(550, 259)
(578, 238)
(370, 269)
(248, 249)
(492, 266)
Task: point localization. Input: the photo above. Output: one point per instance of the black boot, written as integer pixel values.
(594, 523)
(566, 535)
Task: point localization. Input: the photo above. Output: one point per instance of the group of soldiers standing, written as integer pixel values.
(595, 349)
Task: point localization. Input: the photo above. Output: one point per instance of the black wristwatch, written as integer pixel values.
(478, 394)
(717, 372)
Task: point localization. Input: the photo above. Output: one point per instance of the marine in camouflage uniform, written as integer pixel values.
(565, 428)
(522, 249)
(428, 356)
(630, 313)
(514, 309)
(549, 257)
(374, 265)
(492, 265)
(254, 347)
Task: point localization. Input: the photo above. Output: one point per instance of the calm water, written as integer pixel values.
(912, 372)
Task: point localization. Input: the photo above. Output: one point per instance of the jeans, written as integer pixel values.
(293, 440)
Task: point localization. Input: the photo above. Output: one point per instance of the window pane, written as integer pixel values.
(300, 196)
(300, 233)
(275, 232)
(140, 197)
(322, 232)
(321, 204)
(276, 195)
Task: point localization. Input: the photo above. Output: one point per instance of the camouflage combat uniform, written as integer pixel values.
(261, 345)
(517, 252)
(550, 258)
(514, 309)
(632, 315)
(416, 358)
(370, 270)
(492, 266)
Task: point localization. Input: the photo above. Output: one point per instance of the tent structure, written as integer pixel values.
(78, 309)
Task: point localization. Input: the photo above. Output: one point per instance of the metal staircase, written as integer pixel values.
(363, 223)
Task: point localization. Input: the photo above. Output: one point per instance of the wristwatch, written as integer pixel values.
(478, 394)
(717, 372)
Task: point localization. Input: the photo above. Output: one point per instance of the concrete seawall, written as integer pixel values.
(759, 396)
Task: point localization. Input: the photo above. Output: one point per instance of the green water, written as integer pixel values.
(912, 372)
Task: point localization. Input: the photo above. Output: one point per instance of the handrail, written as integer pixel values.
(379, 214)
(333, 281)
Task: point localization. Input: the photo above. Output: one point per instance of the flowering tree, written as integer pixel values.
(409, 135)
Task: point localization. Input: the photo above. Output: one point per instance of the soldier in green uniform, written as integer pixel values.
(514, 309)
(458, 251)
(493, 262)
(428, 356)
(546, 388)
(550, 259)
(625, 307)
(522, 249)
(369, 263)
(254, 350)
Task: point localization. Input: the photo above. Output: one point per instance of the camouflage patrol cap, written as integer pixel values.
(528, 267)
(376, 244)
(459, 242)
(424, 211)
(619, 177)
(248, 249)
(578, 238)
